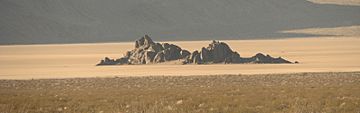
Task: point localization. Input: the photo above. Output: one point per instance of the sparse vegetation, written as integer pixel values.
(279, 93)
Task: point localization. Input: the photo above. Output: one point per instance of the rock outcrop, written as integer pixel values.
(218, 52)
(264, 59)
(146, 51)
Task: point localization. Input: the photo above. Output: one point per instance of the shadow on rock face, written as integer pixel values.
(146, 51)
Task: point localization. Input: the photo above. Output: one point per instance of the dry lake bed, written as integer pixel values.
(324, 54)
(63, 78)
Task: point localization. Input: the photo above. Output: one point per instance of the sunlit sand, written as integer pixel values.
(338, 2)
(327, 54)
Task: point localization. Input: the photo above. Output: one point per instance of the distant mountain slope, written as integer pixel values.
(73, 21)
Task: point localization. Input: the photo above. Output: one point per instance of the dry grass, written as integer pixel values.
(279, 93)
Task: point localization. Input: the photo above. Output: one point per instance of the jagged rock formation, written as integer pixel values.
(148, 52)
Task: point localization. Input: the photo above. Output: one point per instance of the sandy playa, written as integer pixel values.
(340, 54)
(338, 2)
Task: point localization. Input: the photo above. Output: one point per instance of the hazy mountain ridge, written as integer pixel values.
(36, 21)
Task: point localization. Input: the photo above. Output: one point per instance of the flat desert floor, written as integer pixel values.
(325, 54)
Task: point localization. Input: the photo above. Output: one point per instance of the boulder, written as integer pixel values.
(107, 61)
(149, 57)
(280, 61)
(122, 61)
(147, 51)
(197, 59)
(205, 55)
(192, 56)
(165, 45)
(184, 54)
(262, 59)
(217, 52)
(156, 47)
(220, 51)
(159, 57)
(234, 58)
(137, 56)
(128, 54)
(148, 40)
(144, 42)
(172, 52)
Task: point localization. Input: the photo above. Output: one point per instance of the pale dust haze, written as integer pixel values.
(339, 2)
(352, 31)
(325, 54)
